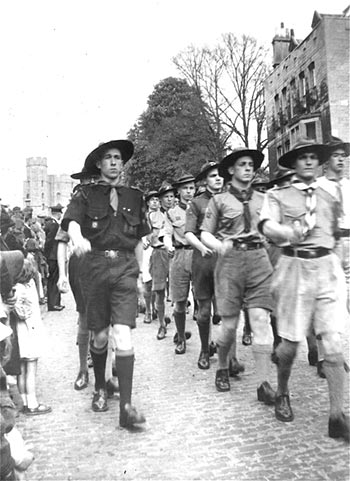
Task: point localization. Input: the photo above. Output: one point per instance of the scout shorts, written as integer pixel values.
(159, 268)
(180, 274)
(203, 275)
(309, 292)
(243, 276)
(110, 289)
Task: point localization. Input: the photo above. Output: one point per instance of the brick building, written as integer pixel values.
(307, 93)
(42, 190)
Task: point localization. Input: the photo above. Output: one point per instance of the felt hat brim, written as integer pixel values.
(125, 147)
(288, 159)
(230, 159)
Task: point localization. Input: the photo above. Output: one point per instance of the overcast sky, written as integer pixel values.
(79, 72)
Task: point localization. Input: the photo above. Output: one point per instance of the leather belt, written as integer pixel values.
(246, 246)
(113, 254)
(186, 247)
(343, 233)
(158, 247)
(306, 254)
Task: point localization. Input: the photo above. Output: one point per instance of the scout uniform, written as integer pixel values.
(308, 281)
(180, 267)
(114, 220)
(202, 267)
(243, 273)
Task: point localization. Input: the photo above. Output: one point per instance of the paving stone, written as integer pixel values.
(192, 431)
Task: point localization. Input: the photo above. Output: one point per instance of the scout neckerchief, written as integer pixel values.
(243, 196)
(310, 202)
(113, 193)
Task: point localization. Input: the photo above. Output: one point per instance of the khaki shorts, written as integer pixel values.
(159, 268)
(243, 276)
(180, 274)
(309, 292)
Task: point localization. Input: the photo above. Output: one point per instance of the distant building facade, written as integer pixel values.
(307, 93)
(42, 190)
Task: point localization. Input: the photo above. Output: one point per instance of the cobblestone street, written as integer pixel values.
(192, 431)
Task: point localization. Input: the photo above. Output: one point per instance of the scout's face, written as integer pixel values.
(153, 203)
(111, 165)
(336, 161)
(214, 181)
(186, 192)
(167, 200)
(306, 165)
(242, 170)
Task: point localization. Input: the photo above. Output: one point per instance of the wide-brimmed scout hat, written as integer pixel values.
(125, 147)
(165, 188)
(183, 179)
(281, 174)
(57, 208)
(236, 154)
(13, 260)
(301, 146)
(151, 193)
(205, 169)
(84, 173)
(336, 143)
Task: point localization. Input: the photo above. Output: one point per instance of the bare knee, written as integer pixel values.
(122, 337)
(261, 326)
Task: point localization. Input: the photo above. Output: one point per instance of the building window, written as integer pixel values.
(311, 130)
(295, 134)
(277, 104)
(284, 105)
(292, 95)
(279, 151)
(28, 195)
(42, 195)
(302, 84)
(312, 78)
(287, 146)
(42, 183)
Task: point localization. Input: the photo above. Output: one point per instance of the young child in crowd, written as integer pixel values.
(30, 338)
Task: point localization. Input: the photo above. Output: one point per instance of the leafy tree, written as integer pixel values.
(171, 136)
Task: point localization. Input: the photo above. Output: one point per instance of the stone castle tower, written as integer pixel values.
(42, 190)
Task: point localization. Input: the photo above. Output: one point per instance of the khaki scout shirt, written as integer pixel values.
(196, 211)
(175, 225)
(287, 205)
(224, 217)
(157, 220)
(332, 188)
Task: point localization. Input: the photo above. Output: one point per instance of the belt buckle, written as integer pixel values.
(243, 246)
(111, 254)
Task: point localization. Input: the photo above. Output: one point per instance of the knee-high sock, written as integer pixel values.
(233, 348)
(125, 370)
(99, 356)
(333, 366)
(286, 353)
(203, 329)
(262, 357)
(180, 320)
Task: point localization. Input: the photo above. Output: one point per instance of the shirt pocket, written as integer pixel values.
(294, 214)
(229, 218)
(96, 217)
(131, 223)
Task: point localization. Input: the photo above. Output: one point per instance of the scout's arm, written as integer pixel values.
(80, 244)
(209, 227)
(191, 228)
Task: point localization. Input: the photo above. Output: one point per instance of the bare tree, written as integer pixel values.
(229, 80)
